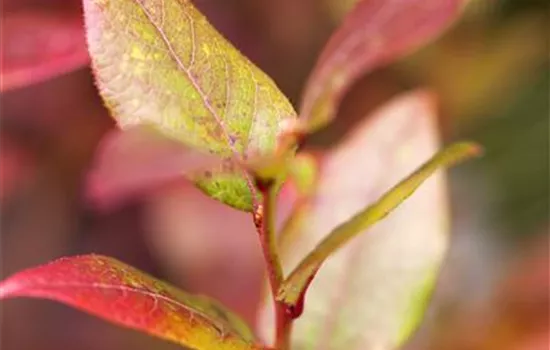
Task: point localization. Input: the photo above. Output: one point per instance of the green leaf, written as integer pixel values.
(298, 279)
(160, 62)
(303, 171)
(372, 292)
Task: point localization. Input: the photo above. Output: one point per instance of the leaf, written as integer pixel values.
(162, 63)
(374, 33)
(116, 292)
(303, 181)
(303, 171)
(372, 292)
(136, 160)
(37, 46)
(292, 288)
(209, 247)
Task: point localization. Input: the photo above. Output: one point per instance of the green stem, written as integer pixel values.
(264, 218)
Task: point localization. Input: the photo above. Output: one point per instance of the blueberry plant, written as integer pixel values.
(177, 86)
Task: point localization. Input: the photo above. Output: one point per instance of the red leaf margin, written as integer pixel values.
(123, 295)
(374, 33)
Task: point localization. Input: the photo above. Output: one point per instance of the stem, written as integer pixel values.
(264, 218)
(284, 326)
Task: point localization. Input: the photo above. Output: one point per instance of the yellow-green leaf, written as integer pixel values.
(304, 172)
(160, 62)
(293, 286)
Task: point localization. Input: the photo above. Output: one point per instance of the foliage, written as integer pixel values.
(191, 105)
(32, 53)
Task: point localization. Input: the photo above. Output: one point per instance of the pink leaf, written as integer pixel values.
(133, 161)
(37, 46)
(16, 167)
(375, 33)
(125, 296)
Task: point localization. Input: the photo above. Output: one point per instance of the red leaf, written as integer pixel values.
(125, 296)
(133, 161)
(375, 33)
(37, 46)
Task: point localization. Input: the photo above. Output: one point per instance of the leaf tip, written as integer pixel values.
(8, 288)
(469, 149)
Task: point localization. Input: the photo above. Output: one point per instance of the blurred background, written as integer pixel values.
(491, 72)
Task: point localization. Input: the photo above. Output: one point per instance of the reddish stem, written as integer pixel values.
(283, 326)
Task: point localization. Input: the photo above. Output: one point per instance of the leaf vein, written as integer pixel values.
(154, 296)
(199, 90)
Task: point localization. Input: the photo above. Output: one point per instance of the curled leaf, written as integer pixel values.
(125, 296)
(374, 33)
(162, 63)
(37, 46)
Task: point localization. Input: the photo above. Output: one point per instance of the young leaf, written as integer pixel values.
(125, 296)
(372, 292)
(374, 33)
(304, 173)
(161, 62)
(303, 181)
(132, 161)
(300, 277)
(39, 46)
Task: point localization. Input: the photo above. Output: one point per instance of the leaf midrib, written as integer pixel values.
(155, 296)
(199, 90)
